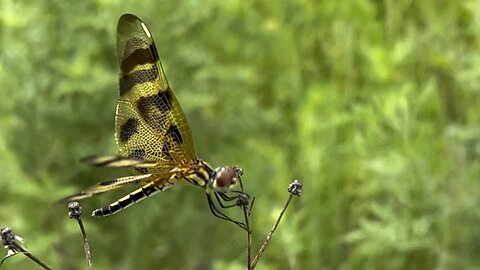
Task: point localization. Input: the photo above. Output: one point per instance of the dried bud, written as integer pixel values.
(7, 236)
(10, 242)
(74, 210)
(295, 188)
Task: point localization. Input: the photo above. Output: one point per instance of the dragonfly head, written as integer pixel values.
(225, 178)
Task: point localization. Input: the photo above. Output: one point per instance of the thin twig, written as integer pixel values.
(10, 242)
(30, 255)
(75, 212)
(251, 207)
(86, 246)
(295, 188)
(243, 202)
(269, 236)
(246, 215)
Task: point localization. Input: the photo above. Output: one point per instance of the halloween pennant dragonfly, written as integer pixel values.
(152, 133)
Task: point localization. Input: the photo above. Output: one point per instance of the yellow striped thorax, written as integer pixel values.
(221, 179)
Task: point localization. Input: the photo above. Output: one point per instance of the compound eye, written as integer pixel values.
(226, 177)
(238, 170)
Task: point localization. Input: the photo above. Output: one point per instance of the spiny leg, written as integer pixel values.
(218, 196)
(242, 198)
(225, 197)
(221, 215)
(136, 196)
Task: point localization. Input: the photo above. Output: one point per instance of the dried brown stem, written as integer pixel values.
(10, 241)
(75, 212)
(295, 188)
(269, 236)
(31, 257)
(86, 246)
(246, 216)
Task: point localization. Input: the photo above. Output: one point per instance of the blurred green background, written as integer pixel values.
(374, 105)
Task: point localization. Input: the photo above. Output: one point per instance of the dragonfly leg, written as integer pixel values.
(221, 215)
(220, 198)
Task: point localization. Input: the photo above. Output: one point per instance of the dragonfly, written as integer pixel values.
(153, 136)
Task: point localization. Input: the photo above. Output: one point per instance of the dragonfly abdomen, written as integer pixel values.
(136, 196)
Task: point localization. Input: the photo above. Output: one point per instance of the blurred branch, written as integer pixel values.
(75, 212)
(11, 243)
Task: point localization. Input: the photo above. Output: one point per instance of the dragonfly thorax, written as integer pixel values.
(225, 178)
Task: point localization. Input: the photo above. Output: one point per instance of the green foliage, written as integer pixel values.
(373, 104)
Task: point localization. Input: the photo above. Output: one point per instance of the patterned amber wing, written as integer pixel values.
(149, 122)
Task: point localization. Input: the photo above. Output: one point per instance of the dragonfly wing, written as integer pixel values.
(150, 124)
(109, 185)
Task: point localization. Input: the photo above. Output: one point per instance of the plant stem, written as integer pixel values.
(249, 237)
(30, 255)
(269, 236)
(86, 246)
